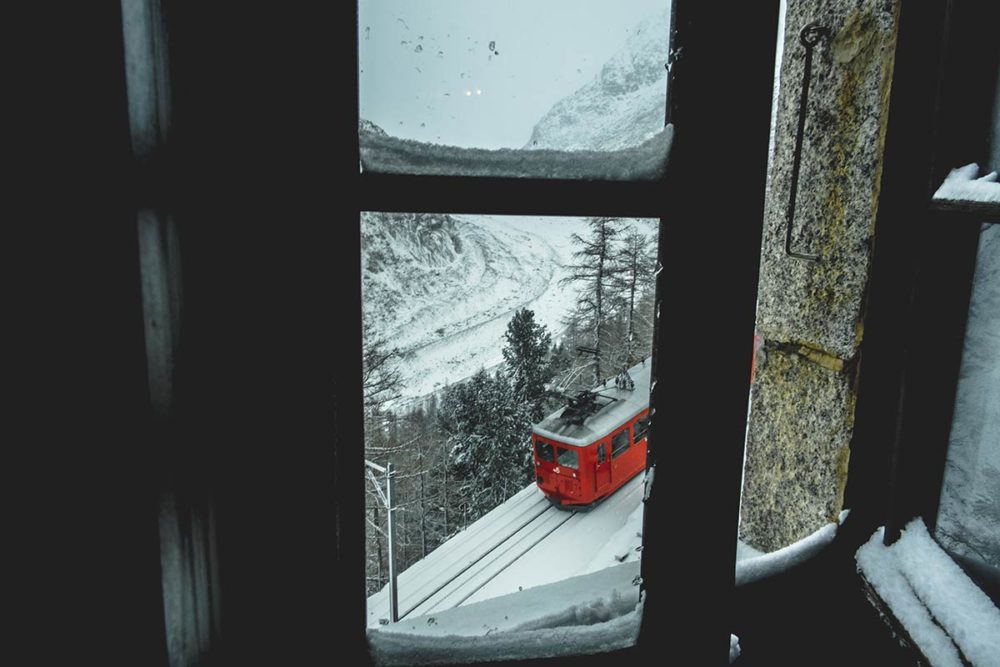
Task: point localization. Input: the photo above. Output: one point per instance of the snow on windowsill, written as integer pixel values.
(961, 184)
(756, 566)
(942, 610)
(391, 155)
(592, 613)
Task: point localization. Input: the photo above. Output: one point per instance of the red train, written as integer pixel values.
(586, 450)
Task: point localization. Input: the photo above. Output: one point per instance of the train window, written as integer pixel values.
(601, 453)
(568, 458)
(544, 451)
(641, 426)
(619, 444)
(491, 83)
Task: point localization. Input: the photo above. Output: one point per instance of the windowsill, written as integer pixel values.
(964, 192)
(752, 565)
(382, 153)
(928, 601)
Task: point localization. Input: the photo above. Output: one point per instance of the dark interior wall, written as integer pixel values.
(269, 268)
(79, 483)
(250, 181)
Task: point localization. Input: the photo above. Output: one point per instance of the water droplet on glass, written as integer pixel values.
(493, 44)
(418, 49)
(368, 31)
(423, 125)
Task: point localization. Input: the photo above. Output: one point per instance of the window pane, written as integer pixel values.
(641, 426)
(473, 330)
(969, 514)
(619, 444)
(526, 75)
(544, 451)
(568, 458)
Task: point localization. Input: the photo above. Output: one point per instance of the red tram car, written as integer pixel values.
(586, 450)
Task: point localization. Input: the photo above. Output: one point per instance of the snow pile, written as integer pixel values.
(752, 565)
(590, 613)
(623, 106)
(734, 647)
(943, 611)
(391, 155)
(390, 648)
(961, 184)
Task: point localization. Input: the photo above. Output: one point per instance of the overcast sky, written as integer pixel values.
(428, 72)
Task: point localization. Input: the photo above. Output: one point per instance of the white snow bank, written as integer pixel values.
(582, 600)
(961, 184)
(592, 613)
(734, 647)
(391, 155)
(944, 612)
(751, 565)
(390, 648)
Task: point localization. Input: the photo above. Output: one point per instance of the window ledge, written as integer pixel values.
(928, 601)
(382, 153)
(964, 192)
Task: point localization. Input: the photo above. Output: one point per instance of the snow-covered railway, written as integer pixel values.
(522, 543)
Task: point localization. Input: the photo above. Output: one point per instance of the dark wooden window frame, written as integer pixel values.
(702, 236)
(924, 259)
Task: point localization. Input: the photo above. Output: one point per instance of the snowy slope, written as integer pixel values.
(623, 105)
(443, 288)
(525, 542)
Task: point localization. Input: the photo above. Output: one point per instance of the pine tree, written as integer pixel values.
(526, 355)
(595, 272)
(488, 430)
(637, 255)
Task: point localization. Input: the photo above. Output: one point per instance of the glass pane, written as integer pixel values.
(526, 75)
(568, 458)
(473, 327)
(969, 514)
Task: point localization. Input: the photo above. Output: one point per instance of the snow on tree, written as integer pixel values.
(380, 381)
(526, 355)
(637, 257)
(488, 434)
(595, 271)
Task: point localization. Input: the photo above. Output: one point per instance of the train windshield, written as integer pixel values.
(568, 458)
(544, 451)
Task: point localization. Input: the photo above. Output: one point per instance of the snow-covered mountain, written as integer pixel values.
(442, 288)
(622, 106)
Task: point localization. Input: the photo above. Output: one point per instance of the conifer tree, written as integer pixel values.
(595, 271)
(526, 355)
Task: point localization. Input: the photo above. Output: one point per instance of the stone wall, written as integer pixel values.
(811, 313)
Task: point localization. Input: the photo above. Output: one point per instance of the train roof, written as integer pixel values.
(627, 404)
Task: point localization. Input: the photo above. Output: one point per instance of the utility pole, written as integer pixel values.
(391, 534)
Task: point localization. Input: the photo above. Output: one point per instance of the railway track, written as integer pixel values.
(467, 567)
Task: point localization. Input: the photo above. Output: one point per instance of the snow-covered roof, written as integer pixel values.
(627, 404)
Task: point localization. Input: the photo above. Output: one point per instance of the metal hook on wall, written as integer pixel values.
(809, 37)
